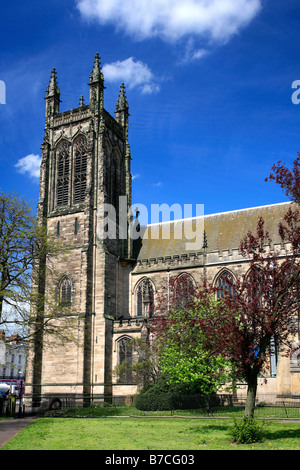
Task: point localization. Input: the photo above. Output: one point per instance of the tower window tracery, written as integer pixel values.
(80, 169)
(63, 174)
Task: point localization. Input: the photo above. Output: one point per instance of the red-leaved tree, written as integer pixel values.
(255, 311)
(262, 310)
(288, 180)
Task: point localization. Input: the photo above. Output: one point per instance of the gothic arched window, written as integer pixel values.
(80, 169)
(183, 288)
(125, 359)
(224, 284)
(145, 299)
(65, 291)
(63, 174)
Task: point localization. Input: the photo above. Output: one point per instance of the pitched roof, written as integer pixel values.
(223, 231)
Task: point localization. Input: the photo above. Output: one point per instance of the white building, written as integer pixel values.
(12, 357)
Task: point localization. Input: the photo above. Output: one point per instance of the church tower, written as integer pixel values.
(85, 167)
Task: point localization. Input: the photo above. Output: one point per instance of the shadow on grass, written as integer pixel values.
(281, 434)
(215, 411)
(210, 428)
(92, 412)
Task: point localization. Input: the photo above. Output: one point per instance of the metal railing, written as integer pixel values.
(271, 407)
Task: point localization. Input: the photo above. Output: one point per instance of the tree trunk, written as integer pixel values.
(2, 287)
(251, 395)
(1, 306)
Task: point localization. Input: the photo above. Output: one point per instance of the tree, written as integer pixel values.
(203, 340)
(262, 309)
(24, 242)
(182, 353)
(256, 310)
(288, 180)
(17, 254)
(265, 303)
(143, 368)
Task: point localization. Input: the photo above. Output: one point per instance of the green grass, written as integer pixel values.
(121, 433)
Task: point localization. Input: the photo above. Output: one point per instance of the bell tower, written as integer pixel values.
(85, 164)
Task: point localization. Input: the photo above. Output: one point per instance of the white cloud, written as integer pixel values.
(198, 54)
(30, 165)
(155, 185)
(191, 53)
(133, 73)
(173, 19)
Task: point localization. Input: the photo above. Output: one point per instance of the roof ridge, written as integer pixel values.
(217, 213)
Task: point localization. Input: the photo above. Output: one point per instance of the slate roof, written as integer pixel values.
(223, 231)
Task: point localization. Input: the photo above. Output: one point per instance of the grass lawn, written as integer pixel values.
(121, 433)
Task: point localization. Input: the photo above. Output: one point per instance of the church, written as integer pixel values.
(109, 281)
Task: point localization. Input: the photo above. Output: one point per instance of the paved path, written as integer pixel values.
(10, 427)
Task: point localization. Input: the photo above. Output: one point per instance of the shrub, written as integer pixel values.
(246, 431)
(164, 396)
(261, 404)
(172, 401)
(159, 402)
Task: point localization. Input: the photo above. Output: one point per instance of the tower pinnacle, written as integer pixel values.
(96, 86)
(53, 88)
(52, 96)
(122, 111)
(81, 101)
(122, 104)
(96, 74)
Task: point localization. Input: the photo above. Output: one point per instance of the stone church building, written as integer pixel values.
(110, 283)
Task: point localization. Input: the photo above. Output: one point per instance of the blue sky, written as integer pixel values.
(209, 86)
